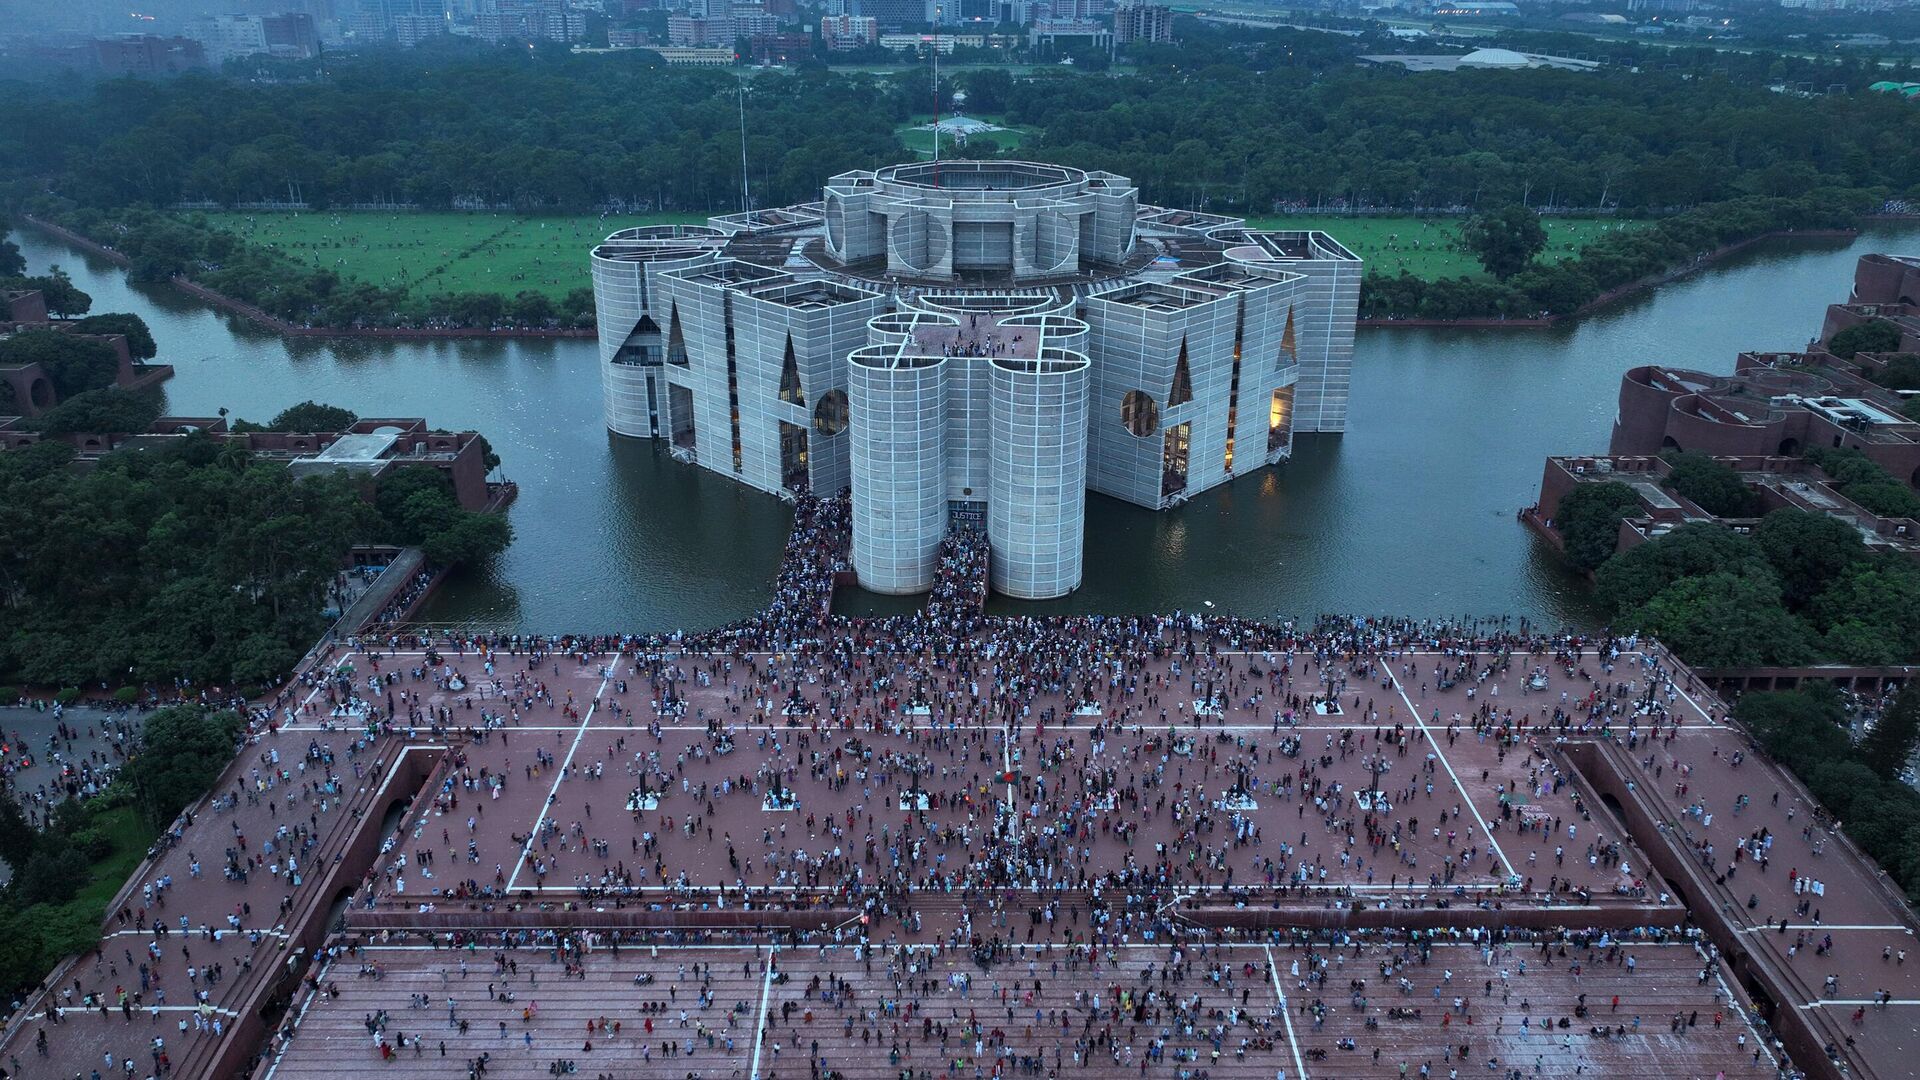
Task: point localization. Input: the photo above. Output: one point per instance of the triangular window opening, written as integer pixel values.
(676, 341)
(790, 378)
(1182, 380)
(1289, 347)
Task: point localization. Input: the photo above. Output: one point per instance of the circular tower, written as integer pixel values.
(1037, 497)
(899, 458)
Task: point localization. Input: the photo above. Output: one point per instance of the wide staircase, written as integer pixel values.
(545, 1022)
(878, 1028)
(1665, 984)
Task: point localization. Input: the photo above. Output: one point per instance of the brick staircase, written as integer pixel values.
(332, 1035)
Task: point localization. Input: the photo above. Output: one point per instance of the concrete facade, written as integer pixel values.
(1037, 492)
(899, 462)
(994, 334)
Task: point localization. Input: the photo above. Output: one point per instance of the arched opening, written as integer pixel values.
(1789, 447)
(1669, 443)
(40, 392)
(830, 416)
(1139, 414)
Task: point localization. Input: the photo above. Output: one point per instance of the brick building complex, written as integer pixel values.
(1781, 404)
(976, 342)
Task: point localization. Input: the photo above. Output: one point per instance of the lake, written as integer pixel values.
(1411, 512)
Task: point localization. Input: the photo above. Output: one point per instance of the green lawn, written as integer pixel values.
(131, 838)
(458, 252)
(1430, 247)
(921, 142)
(443, 252)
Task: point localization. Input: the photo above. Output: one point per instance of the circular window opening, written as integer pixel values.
(830, 415)
(1138, 414)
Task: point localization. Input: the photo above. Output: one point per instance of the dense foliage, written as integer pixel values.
(1866, 483)
(1800, 587)
(74, 364)
(139, 339)
(1589, 519)
(1236, 121)
(1610, 262)
(1505, 240)
(1874, 335)
(63, 877)
(64, 299)
(1711, 485)
(1807, 731)
(201, 562)
(182, 750)
(109, 410)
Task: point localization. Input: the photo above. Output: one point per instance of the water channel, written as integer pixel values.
(1410, 512)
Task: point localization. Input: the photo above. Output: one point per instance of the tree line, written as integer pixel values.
(1797, 587)
(1230, 120)
(202, 565)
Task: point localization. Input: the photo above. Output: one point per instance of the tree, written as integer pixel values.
(182, 750)
(1725, 620)
(420, 508)
(101, 412)
(1889, 744)
(1901, 372)
(1874, 336)
(63, 300)
(313, 418)
(1808, 551)
(530, 308)
(74, 364)
(1871, 614)
(1797, 726)
(140, 342)
(1505, 240)
(1634, 576)
(1588, 521)
(1711, 485)
(468, 538)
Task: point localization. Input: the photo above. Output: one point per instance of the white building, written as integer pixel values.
(226, 37)
(976, 343)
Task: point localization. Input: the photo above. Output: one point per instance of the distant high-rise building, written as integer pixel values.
(529, 20)
(688, 31)
(148, 55)
(411, 30)
(1142, 22)
(896, 14)
(848, 31)
(291, 35)
(225, 37)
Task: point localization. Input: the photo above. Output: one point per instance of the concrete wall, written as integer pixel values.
(899, 437)
(1036, 503)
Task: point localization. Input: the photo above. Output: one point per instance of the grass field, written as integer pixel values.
(435, 253)
(1430, 247)
(921, 142)
(442, 252)
(130, 840)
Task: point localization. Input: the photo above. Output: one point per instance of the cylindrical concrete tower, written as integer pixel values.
(632, 391)
(899, 414)
(1036, 502)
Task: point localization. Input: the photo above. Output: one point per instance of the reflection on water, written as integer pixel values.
(1411, 512)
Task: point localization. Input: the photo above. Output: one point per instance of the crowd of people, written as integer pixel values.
(989, 786)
